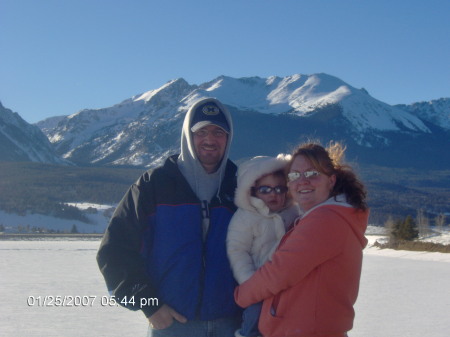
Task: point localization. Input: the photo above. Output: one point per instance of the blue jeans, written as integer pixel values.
(250, 319)
(223, 327)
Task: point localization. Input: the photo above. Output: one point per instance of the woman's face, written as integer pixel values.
(309, 192)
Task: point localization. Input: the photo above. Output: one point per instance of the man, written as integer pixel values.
(164, 249)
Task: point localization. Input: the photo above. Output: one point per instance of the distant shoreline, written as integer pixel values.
(36, 236)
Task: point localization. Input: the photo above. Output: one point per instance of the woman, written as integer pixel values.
(310, 286)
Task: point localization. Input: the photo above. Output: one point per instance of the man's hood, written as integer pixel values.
(188, 161)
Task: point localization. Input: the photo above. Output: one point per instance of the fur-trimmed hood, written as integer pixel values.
(249, 172)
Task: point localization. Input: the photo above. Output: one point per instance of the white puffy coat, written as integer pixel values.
(254, 232)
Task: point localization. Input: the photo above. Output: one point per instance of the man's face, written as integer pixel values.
(210, 143)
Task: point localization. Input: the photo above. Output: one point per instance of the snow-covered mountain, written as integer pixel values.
(270, 115)
(50, 123)
(303, 94)
(136, 131)
(435, 111)
(20, 141)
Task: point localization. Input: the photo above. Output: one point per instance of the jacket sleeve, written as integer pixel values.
(315, 240)
(119, 257)
(239, 243)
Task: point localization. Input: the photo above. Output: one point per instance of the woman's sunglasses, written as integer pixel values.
(307, 174)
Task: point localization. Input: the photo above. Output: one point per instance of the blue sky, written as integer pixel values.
(58, 57)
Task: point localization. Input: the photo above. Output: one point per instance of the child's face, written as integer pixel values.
(273, 200)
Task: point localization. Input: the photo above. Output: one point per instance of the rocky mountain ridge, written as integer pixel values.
(20, 141)
(270, 115)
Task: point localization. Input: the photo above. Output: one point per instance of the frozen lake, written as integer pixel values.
(403, 294)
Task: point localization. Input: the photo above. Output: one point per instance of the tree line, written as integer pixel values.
(46, 189)
(403, 233)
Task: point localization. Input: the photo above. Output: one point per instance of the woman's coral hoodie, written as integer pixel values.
(310, 286)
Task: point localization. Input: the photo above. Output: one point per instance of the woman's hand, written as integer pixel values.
(240, 298)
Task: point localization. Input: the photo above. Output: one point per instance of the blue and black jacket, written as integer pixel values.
(154, 247)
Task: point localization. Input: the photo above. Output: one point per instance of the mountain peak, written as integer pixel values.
(302, 94)
(20, 141)
(434, 111)
(178, 84)
(146, 128)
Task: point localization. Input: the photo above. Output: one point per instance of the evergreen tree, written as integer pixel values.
(405, 229)
(74, 229)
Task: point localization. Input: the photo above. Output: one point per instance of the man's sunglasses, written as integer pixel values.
(268, 189)
(307, 174)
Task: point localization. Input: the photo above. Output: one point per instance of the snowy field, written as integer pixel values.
(403, 294)
(98, 219)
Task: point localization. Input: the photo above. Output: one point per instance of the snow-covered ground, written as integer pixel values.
(97, 214)
(402, 294)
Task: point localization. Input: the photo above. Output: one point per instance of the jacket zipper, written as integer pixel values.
(204, 237)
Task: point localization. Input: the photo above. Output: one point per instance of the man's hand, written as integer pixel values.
(164, 317)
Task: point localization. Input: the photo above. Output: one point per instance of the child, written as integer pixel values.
(264, 213)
